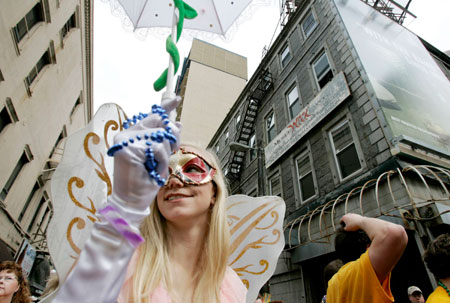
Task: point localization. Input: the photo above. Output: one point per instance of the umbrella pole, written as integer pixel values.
(169, 93)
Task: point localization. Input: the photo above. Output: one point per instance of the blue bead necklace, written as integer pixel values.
(158, 136)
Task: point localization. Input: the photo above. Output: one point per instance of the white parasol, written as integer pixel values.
(215, 16)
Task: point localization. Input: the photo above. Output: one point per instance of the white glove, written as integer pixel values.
(100, 271)
(133, 189)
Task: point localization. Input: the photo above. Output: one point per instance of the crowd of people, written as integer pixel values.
(163, 235)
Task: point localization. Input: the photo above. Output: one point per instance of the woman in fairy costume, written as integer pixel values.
(167, 216)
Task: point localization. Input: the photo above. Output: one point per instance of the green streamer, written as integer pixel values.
(185, 11)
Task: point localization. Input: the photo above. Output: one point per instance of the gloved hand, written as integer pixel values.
(133, 188)
(101, 267)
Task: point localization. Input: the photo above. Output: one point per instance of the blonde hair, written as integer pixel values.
(152, 264)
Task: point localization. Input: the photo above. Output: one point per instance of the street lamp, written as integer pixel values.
(240, 147)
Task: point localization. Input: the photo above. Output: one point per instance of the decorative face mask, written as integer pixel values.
(190, 168)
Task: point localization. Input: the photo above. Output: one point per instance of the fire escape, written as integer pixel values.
(391, 8)
(245, 129)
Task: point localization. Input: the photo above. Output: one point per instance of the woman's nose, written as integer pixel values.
(173, 181)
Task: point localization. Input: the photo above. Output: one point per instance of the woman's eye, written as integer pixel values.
(193, 169)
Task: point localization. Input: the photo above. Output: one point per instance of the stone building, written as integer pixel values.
(45, 95)
(347, 112)
(210, 81)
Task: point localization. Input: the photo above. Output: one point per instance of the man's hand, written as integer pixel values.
(352, 222)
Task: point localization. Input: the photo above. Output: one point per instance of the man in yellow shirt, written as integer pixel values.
(369, 248)
(437, 258)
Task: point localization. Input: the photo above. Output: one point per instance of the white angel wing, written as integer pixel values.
(80, 186)
(257, 239)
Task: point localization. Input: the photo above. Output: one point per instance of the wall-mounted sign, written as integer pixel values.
(411, 89)
(328, 98)
(25, 257)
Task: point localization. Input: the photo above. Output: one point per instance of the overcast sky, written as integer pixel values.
(125, 66)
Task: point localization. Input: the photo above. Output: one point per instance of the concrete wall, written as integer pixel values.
(44, 110)
(212, 84)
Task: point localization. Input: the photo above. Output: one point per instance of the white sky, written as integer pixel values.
(125, 67)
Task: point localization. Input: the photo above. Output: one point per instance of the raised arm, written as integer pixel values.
(100, 270)
(388, 241)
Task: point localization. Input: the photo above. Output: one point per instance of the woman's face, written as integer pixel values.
(189, 191)
(8, 283)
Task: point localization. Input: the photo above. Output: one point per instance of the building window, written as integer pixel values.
(71, 23)
(270, 127)
(238, 119)
(29, 199)
(7, 115)
(285, 56)
(344, 149)
(322, 70)
(43, 61)
(78, 102)
(275, 185)
(36, 214)
(217, 148)
(33, 17)
(5, 119)
(58, 144)
(227, 135)
(293, 102)
(24, 159)
(253, 193)
(252, 151)
(305, 176)
(308, 24)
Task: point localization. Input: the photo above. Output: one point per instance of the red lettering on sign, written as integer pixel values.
(303, 117)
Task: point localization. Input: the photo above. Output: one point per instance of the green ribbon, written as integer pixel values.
(185, 11)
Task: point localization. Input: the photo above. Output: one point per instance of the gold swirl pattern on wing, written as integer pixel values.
(80, 223)
(243, 235)
(102, 173)
(246, 283)
(113, 125)
(275, 216)
(80, 183)
(241, 270)
(232, 219)
(258, 244)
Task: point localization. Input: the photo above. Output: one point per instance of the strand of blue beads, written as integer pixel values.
(158, 136)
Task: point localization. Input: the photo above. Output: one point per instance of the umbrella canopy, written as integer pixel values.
(214, 16)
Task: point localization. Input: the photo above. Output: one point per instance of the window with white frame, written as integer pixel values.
(33, 17)
(275, 185)
(227, 135)
(322, 69)
(293, 101)
(270, 127)
(345, 152)
(43, 61)
(309, 23)
(285, 56)
(252, 151)
(238, 119)
(305, 176)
